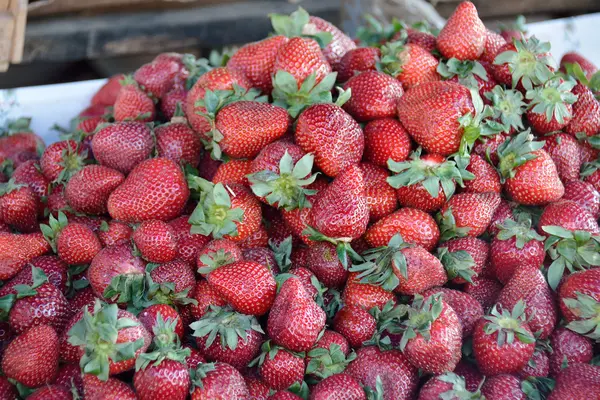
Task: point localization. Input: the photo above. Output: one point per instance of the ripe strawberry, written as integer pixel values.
(364, 294)
(295, 320)
(173, 99)
(206, 296)
(111, 388)
(302, 57)
(32, 358)
(586, 112)
(564, 151)
(374, 96)
(576, 294)
(568, 215)
(530, 176)
(160, 318)
(584, 194)
(156, 241)
(486, 177)
(214, 380)
(463, 258)
(493, 43)
(570, 347)
(75, 243)
(472, 74)
(174, 281)
(219, 252)
(415, 226)
(168, 380)
(61, 160)
(355, 324)
(467, 308)
(356, 61)
(69, 377)
(279, 368)
(449, 384)
(573, 57)
(18, 206)
(386, 139)
(114, 233)
(427, 182)
(54, 268)
(156, 77)
(233, 171)
(538, 365)
(500, 387)
(17, 250)
(178, 142)
(29, 173)
(257, 60)
(430, 114)
(381, 198)
(550, 105)
(464, 35)
(51, 392)
(19, 140)
(398, 378)
(411, 64)
(467, 214)
(107, 94)
(577, 381)
(88, 190)
(342, 385)
(332, 136)
(262, 255)
(226, 336)
(515, 246)
(524, 63)
(122, 145)
(188, 244)
(484, 290)
(115, 272)
(323, 261)
(339, 45)
(155, 189)
(132, 103)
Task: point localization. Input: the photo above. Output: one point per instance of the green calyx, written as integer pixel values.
(287, 189)
(521, 230)
(198, 374)
(97, 333)
(507, 106)
(587, 310)
(516, 152)
(389, 319)
(530, 64)
(551, 99)
(377, 392)
(268, 349)
(10, 186)
(466, 71)
(53, 229)
(214, 260)
(126, 289)
(298, 24)
(229, 325)
(508, 325)
(6, 302)
(282, 253)
(421, 315)
(165, 345)
(214, 215)
(199, 66)
(294, 98)
(572, 250)
(430, 174)
(342, 245)
(392, 59)
(373, 33)
(589, 168)
(164, 293)
(326, 362)
(576, 72)
(538, 388)
(458, 264)
(18, 125)
(448, 228)
(381, 263)
(459, 389)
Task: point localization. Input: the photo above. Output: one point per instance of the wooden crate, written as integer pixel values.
(13, 17)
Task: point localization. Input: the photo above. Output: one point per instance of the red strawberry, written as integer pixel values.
(355, 324)
(448, 384)
(132, 103)
(302, 57)
(155, 189)
(173, 99)
(564, 151)
(586, 112)
(430, 113)
(323, 261)
(29, 173)
(279, 368)
(75, 243)
(468, 214)
(550, 105)
(168, 380)
(538, 365)
(573, 57)
(206, 296)
(122, 145)
(568, 215)
(69, 377)
(188, 244)
(484, 290)
(332, 136)
(356, 61)
(18, 140)
(18, 206)
(570, 347)
(584, 194)
(364, 294)
(486, 177)
(500, 387)
(110, 389)
(339, 45)
(107, 94)
(415, 226)
(54, 268)
(577, 293)
(156, 78)
(577, 381)
(159, 317)
(156, 241)
(177, 273)
(257, 61)
(219, 252)
(463, 258)
(464, 35)
(342, 386)
(295, 320)
(61, 160)
(51, 392)
(411, 64)
(178, 142)
(88, 190)
(32, 358)
(381, 198)
(467, 309)
(493, 43)
(214, 380)
(17, 250)
(530, 175)
(386, 139)
(374, 96)
(233, 171)
(114, 233)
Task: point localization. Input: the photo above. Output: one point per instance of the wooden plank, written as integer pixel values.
(7, 24)
(490, 8)
(19, 10)
(4, 5)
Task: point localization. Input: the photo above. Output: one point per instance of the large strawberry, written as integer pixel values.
(132, 103)
(464, 35)
(586, 112)
(550, 105)
(122, 145)
(155, 189)
(467, 214)
(18, 206)
(88, 190)
(17, 250)
(411, 64)
(177, 141)
(386, 139)
(373, 95)
(365, 295)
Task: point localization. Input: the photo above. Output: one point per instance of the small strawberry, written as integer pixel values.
(386, 139)
(178, 142)
(156, 242)
(122, 145)
(374, 95)
(356, 61)
(356, 324)
(486, 177)
(365, 295)
(233, 171)
(172, 283)
(61, 160)
(323, 261)
(29, 173)
(411, 64)
(342, 385)
(550, 105)
(74, 243)
(157, 77)
(173, 99)
(54, 268)
(588, 68)
(219, 252)
(467, 309)
(114, 233)
(568, 215)
(278, 367)
(467, 214)
(524, 63)
(301, 57)
(165, 378)
(17, 250)
(18, 206)
(463, 258)
(132, 103)
(584, 194)
(161, 319)
(214, 380)
(188, 244)
(449, 385)
(111, 388)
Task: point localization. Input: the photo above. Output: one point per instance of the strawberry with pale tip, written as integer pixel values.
(464, 35)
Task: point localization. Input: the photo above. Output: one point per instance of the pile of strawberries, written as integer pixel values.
(408, 215)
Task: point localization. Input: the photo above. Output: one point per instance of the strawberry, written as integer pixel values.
(61, 160)
(364, 294)
(226, 336)
(570, 347)
(332, 136)
(342, 385)
(467, 214)
(69, 377)
(301, 57)
(75, 243)
(432, 335)
(156, 77)
(565, 152)
(17, 250)
(529, 175)
(109, 389)
(586, 112)
(493, 43)
(161, 318)
(415, 226)
(107, 94)
(122, 145)
(214, 380)
(19, 140)
(88, 190)
(279, 368)
(232, 282)
(449, 384)
(18, 206)
(504, 386)
(427, 182)
(114, 233)
(411, 64)
(386, 139)
(29, 173)
(374, 96)
(356, 61)
(339, 45)
(174, 282)
(355, 324)
(132, 103)
(233, 171)
(168, 380)
(178, 142)
(381, 198)
(484, 290)
(430, 114)
(515, 246)
(295, 320)
(51, 392)
(550, 105)
(156, 242)
(115, 274)
(262, 255)
(219, 252)
(539, 364)
(206, 296)
(508, 108)
(584, 194)
(578, 294)
(54, 268)
(467, 309)
(230, 212)
(323, 261)
(503, 342)
(32, 358)
(188, 244)
(464, 35)
(463, 258)
(173, 99)
(389, 369)
(568, 215)
(577, 381)
(154, 189)
(486, 177)
(257, 61)
(573, 57)
(472, 74)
